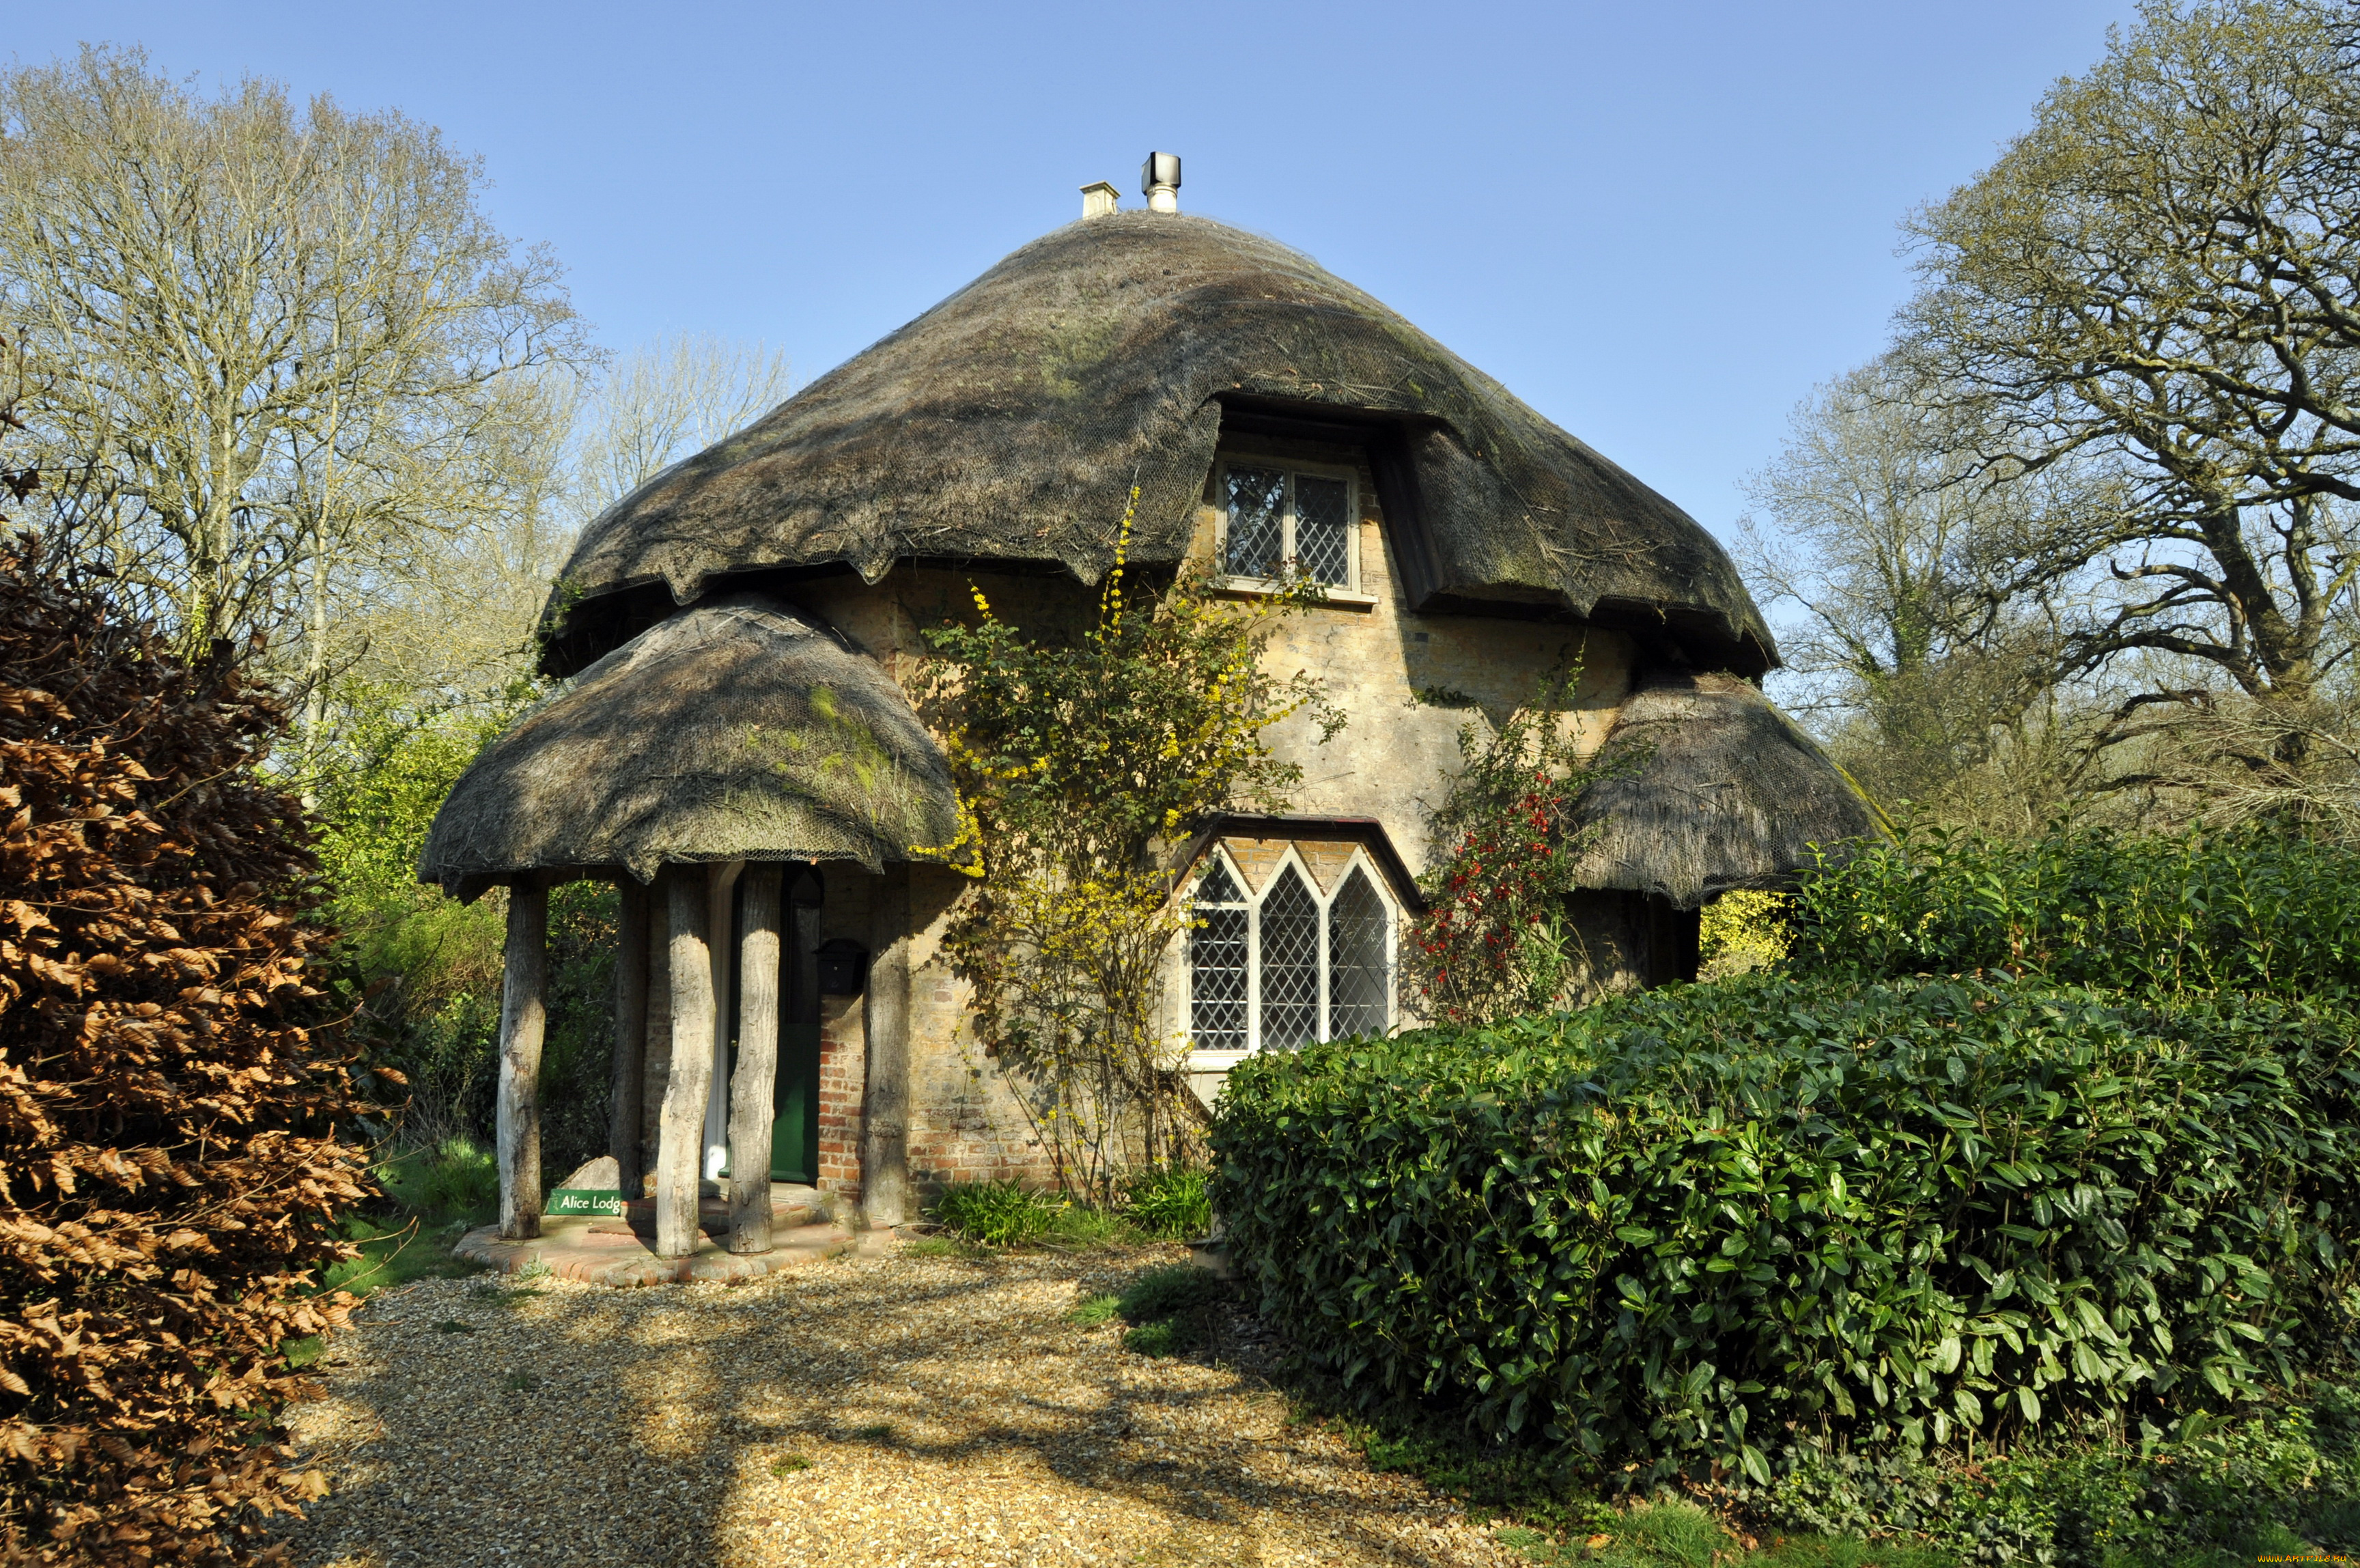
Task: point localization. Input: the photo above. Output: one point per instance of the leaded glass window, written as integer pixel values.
(1257, 530)
(1281, 523)
(1359, 968)
(1290, 962)
(1289, 965)
(1216, 963)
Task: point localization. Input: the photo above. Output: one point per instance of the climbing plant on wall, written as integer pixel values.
(1494, 941)
(1083, 762)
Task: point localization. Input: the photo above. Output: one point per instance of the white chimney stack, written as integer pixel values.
(1159, 182)
(1099, 199)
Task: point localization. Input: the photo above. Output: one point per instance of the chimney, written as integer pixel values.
(1159, 182)
(1099, 199)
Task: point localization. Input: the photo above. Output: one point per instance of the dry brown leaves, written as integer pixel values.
(169, 1160)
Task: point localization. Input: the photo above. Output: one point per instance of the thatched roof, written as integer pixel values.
(740, 729)
(1006, 424)
(1716, 789)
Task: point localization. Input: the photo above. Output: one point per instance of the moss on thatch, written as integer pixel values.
(740, 729)
(1007, 424)
(1711, 788)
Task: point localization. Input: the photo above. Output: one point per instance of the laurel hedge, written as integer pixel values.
(1716, 1229)
(2255, 911)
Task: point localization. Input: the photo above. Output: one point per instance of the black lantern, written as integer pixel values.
(843, 966)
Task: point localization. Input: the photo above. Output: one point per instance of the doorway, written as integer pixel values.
(794, 1095)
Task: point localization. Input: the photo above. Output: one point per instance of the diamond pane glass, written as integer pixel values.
(1322, 535)
(1290, 962)
(1257, 541)
(1217, 980)
(1359, 976)
(1218, 886)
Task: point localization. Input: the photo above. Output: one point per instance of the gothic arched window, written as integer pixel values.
(1290, 965)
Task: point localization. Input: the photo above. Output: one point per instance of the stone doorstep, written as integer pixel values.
(605, 1251)
(621, 1259)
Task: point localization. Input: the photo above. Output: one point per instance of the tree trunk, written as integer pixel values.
(753, 1085)
(885, 1100)
(680, 1144)
(522, 1018)
(656, 1043)
(630, 1079)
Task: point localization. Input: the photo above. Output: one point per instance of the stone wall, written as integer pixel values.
(1407, 685)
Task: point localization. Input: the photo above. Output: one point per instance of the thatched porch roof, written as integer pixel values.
(743, 729)
(1717, 790)
(1006, 424)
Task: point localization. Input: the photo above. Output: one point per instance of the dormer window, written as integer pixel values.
(1282, 522)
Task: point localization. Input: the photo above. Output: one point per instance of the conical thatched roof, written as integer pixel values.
(740, 729)
(1716, 789)
(1006, 425)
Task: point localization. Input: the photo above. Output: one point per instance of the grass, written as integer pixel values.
(1171, 1202)
(787, 1465)
(1171, 1310)
(1160, 1203)
(1549, 1516)
(1673, 1534)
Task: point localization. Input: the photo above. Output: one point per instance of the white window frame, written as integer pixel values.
(1346, 592)
(1324, 901)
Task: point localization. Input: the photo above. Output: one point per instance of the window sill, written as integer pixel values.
(1271, 588)
(1215, 1061)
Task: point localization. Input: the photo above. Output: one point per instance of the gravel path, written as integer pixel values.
(886, 1409)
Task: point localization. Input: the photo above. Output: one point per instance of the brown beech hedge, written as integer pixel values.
(171, 1091)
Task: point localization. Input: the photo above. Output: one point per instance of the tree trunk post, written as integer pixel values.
(629, 1082)
(680, 1137)
(523, 1004)
(885, 1098)
(655, 1045)
(753, 1084)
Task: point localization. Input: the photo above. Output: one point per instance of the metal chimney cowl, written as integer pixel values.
(1159, 182)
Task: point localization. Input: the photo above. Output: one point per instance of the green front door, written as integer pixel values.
(794, 1095)
(794, 1137)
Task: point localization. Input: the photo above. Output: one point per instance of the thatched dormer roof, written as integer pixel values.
(1005, 426)
(1709, 788)
(740, 729)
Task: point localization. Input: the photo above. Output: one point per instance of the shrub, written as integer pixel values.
(2252, 911)
(170, 1166)
(455, 1179)
(1702, 1225)
(1174, 1202)
(996, 1213)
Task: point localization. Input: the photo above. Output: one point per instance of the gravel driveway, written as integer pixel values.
(879, 1409)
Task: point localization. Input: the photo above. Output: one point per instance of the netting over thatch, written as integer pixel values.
(740, 729)
(1007, 424)
(1718, 790)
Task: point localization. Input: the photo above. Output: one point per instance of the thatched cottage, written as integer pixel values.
(736, 752)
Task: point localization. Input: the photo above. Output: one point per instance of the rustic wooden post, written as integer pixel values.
(630, 1032)
(680, 1138)
(885, 1021)
(523, 1001)
(656, 1044)
(753, 1084)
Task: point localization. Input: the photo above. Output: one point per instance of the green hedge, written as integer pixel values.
(2252, 911)
(1710, 1223)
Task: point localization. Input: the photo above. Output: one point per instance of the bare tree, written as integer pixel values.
(665, 401)
(2162, 277)
(454, 622)
(281, 337)
(1907, 635)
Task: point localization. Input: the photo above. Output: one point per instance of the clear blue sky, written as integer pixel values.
(1660, 225)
